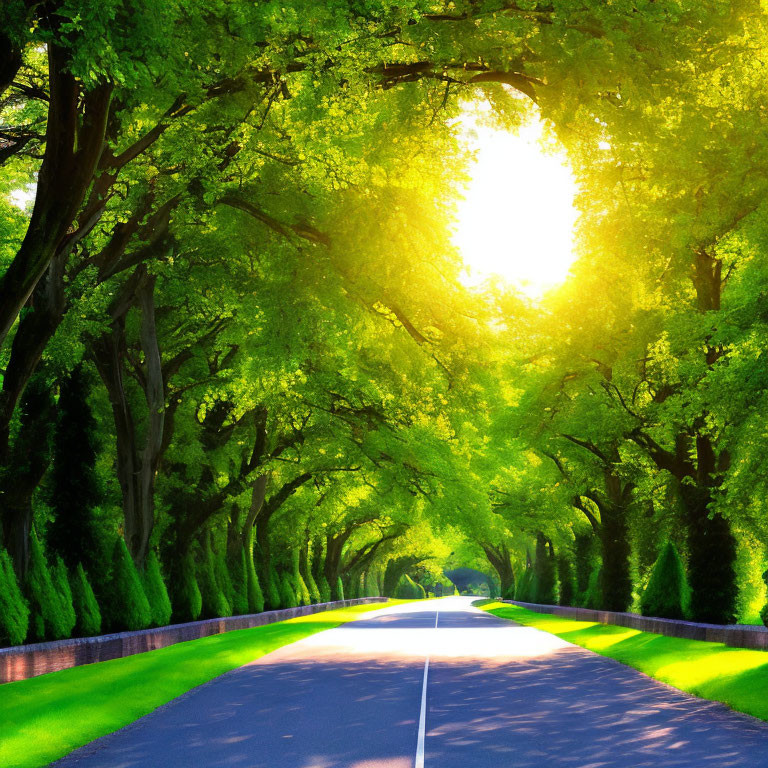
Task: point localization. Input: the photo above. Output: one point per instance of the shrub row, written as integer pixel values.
(667, 594)
(56, 602)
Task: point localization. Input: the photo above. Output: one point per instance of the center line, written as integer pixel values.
(419, 763)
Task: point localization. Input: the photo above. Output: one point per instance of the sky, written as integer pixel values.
(517, 219)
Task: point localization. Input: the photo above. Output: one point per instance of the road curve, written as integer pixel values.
(497, 695)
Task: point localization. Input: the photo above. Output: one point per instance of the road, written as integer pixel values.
(496, 695)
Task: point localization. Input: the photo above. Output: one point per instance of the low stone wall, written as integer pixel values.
(735, 635)
(23, 661)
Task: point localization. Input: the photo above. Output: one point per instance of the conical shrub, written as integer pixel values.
(544, 572)
(14, 611)
(215, 603)
(128, 608)
(299, 585)
(60, 578)
(288, 597)
(85, 603)
(408, 589)
(593, 597)
(239, 581)
(371, 588)
(187, 602)
(52, 614)
(339, 589)
(566, 579)
(156, 592)
(302, 593)
(223, 578)
(524, 587)
(764, 612)
(667, 593)
(272, 597)
(325, 590)
(306, 573)
(255, 593)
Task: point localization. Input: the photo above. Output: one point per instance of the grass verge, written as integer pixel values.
(46, 717)
(737, 677)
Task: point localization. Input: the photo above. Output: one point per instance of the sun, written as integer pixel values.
(517, 217)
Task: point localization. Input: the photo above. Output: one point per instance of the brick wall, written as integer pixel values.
(735, 635)
(23, 661)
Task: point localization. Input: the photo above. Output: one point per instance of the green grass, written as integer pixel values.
(46, 717)
(737, 677)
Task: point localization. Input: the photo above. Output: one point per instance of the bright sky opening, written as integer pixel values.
(517, 218)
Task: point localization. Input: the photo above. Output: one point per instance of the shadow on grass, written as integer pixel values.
(737, 677)
(46, 717)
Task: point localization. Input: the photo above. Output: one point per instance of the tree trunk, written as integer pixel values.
(29, 460)
(33, 334)
(616, 584)
(136, 467)
(712, 557)
(500, 560)
(75, 139)
(10, 58)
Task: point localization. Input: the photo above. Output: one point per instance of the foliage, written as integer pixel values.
(238, 596)
(408, 589)
(764, 611)
(565, 580)
(126, 606)
(544, 573)
(255, 595)
(524, 587)
(667, 594)
(593, 597)
(214, 600)
(75, 490)
(325, 590)
(274, 593)
(186, 600)
(14, 612)
(61, 586)
(156, 592)
(85, 604)
(288, 597)
(50, 600)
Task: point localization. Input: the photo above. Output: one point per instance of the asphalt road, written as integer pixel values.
(496, 695)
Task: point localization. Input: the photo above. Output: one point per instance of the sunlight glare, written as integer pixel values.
(517, 217)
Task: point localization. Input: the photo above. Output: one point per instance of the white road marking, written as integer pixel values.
(419, 762)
